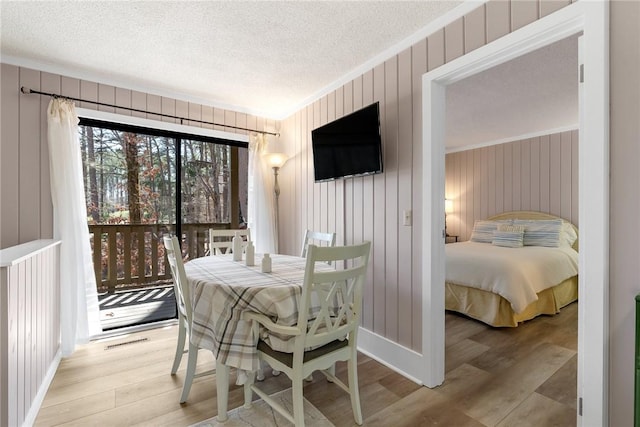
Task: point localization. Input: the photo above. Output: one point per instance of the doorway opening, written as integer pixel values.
(592, 20)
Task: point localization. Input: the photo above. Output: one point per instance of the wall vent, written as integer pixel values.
(120, 344)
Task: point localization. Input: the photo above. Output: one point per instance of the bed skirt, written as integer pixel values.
(494, 310)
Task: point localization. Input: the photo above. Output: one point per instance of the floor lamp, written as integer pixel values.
(276, 161)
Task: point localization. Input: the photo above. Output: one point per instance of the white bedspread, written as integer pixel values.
(516, 274)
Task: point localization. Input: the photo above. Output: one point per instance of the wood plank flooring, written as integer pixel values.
(523, 376)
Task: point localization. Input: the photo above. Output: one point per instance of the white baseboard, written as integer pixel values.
(403, 360)
(31, 416)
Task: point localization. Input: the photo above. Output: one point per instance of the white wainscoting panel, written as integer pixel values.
(29, 328)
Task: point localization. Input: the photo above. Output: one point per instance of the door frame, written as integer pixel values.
(592, 19)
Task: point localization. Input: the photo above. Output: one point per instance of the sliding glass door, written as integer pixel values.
(141, 184)
(211, 192)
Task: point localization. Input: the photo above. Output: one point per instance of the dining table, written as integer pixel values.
(222, 290)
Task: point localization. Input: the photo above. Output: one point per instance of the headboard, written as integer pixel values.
(534, 215)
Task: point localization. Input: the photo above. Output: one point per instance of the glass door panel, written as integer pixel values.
(206, 193)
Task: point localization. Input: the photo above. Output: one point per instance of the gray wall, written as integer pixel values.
(370, 208)
(26, 212)
(534, 174)
(624, 276)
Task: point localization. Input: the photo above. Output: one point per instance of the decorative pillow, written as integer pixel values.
(543, 232)
(509, 236)
(568, 235)
(510, 227)
(483, 230)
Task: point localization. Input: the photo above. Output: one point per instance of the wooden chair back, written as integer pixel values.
(317, 238)
(185, 315)
(180, 284)
(338, 293)
(326, 331)
(220, 240)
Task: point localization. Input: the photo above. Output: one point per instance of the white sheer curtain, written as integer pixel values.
(79, 317)
(260, 204)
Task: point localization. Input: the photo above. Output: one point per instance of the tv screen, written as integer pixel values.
(348, 146)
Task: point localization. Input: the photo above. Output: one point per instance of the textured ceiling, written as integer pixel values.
(270, 58)
(535, 93)
(262, 57)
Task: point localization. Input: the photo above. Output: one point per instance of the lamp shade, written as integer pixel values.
(276, 160)
(448, 206)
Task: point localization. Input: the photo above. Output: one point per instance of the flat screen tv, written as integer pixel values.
(349, 146)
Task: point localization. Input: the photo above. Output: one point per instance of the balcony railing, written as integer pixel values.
(133, 256)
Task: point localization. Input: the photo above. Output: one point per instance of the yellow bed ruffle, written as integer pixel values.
(494, 310)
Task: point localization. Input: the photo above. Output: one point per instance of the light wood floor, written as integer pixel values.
(524, 376)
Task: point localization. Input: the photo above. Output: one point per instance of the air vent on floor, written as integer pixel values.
(120, 344)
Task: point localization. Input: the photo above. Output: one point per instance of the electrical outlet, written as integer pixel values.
(406, 217)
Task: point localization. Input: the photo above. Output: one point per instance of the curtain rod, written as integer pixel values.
(28, 91)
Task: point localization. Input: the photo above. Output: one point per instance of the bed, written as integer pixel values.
(502, 278)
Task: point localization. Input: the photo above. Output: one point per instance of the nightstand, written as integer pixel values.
(450, 239)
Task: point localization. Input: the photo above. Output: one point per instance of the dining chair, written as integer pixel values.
(183, 300)
(220, 240)
(323, 335)
(316, 237)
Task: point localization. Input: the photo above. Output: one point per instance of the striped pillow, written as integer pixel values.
(483, 230)
(543, 232)
(509, 236)
(568, 235)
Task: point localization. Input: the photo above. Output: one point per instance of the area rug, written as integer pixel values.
(262, 415)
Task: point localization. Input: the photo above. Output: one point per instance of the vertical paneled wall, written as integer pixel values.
(30, 325)
(624, 207)
(26, 212)
(371, 208)
(535, 174)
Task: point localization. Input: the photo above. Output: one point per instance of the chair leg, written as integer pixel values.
(191, 371)
(261, 368)
(248, 393)
(354, 392)
(332, 371)
(222, 388)
(182, 333)
(298, 402)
